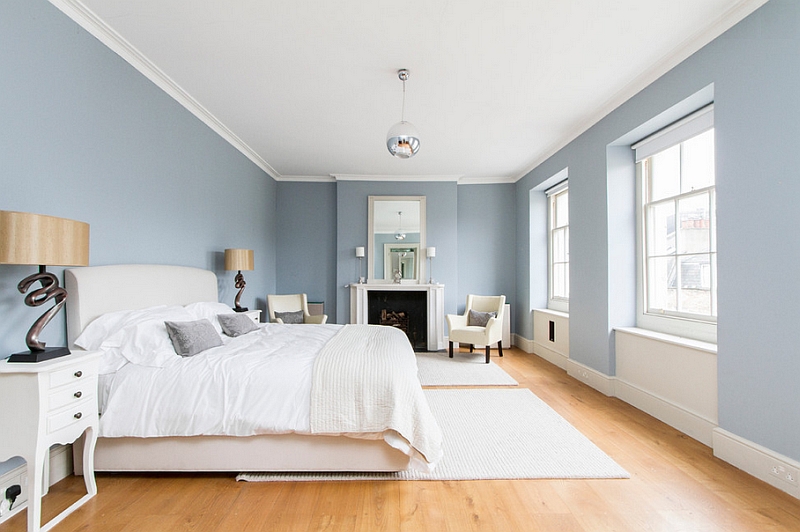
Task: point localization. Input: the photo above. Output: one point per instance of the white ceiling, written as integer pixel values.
(309, 89)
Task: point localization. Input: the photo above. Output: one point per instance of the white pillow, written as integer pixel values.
(140, 335)
(105, 326)
(208, 310)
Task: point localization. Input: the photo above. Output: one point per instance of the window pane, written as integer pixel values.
(661, 228)
(695, 226)
(662, 292)
(562, 209)
(561, 245)
(560, 280)
(695, 293)
(697, 169)
(665, 173)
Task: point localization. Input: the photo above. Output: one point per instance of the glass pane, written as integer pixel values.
(695, 224)
(695, 293)
(698, 162)
(560, 280)
(665, 173)
(661, 229)
(559, 246)
(662, 284)
(562, 209)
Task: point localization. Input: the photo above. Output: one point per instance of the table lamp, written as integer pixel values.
(36, 239)
(430, 252)
(360, 255)
(239, 259)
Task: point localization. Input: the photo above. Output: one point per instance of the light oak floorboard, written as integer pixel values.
(676, 484)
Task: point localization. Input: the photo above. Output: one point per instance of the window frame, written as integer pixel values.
(696, 326)
(558, 303)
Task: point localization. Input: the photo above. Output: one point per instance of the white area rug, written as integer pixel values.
(464, 369)
(493, 434)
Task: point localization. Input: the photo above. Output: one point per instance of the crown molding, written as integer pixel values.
(307, 178)
(391, 177)
(680, 53)
(90, 22)
(487, 180)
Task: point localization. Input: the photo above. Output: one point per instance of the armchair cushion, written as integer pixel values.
(290, 317)
(479, 319)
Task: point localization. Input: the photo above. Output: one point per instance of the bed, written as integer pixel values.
(342, 433)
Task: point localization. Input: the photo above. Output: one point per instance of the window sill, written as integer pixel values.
(670, 339)
(552, 312)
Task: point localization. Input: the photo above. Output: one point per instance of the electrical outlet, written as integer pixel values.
(15, 476)
(786, 473)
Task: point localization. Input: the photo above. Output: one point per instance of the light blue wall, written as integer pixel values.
(487, 238)
(754, 70)
(442, 232)
(86, 136)
(306, 238)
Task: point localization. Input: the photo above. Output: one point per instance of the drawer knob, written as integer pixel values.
(78, 393)
(79, 374)
(78, 415)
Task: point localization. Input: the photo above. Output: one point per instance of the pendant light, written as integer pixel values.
(400, 235)
(403, 139)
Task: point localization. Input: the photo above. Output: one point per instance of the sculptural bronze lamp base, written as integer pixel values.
(239, 259)
(36, 239)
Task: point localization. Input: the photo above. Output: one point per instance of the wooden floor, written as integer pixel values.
(676, 485)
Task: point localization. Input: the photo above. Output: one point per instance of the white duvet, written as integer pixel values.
(258, 383)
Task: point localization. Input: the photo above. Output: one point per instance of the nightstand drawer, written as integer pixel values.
(78, 372)
(74, 414)
(72, 394)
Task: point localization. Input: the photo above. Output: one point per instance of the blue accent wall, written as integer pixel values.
(306, 237)
(753, 73)
(487, 239)
(352, 231)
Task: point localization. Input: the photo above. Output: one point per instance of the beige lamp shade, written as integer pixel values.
(27, 238)
(239, 259)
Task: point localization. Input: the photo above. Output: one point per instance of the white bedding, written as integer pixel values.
(259, 383)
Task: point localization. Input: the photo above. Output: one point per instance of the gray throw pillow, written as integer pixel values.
(290, 317)
(236, 324)
(192, 337)
(479, 319)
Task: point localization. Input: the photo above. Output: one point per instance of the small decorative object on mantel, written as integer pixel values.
(430, 252)
(360, 255)
(239, 259)
(36, 239)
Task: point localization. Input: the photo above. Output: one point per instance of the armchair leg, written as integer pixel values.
(487, 353)
(451, 349)
(500, 347)
(471, 348)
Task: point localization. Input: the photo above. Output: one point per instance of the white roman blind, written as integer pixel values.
(687, 127)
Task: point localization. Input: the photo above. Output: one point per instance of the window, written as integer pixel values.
(678, 221)
(558, 247)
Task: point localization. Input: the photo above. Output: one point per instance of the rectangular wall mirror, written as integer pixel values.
(396, 239)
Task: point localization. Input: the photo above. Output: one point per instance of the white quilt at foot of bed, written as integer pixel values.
(365, 381)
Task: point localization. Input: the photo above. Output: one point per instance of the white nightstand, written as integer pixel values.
(254, 315)
(48, 403)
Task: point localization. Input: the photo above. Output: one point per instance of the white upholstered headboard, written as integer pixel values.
(96, 290)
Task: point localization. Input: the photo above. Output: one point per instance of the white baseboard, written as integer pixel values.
(764, 464)
(523, 343)
(597, 380)
(554, 357)
(689, 423)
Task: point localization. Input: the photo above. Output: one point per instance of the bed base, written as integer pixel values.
(280, 452)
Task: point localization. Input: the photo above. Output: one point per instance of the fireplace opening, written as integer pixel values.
(406, 310)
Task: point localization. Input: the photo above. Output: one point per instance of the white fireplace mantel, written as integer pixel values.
(359, 306)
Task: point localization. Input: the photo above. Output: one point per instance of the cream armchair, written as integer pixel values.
(291, 303)
(470, 330)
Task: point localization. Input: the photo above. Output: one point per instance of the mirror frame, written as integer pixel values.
(371, 243)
